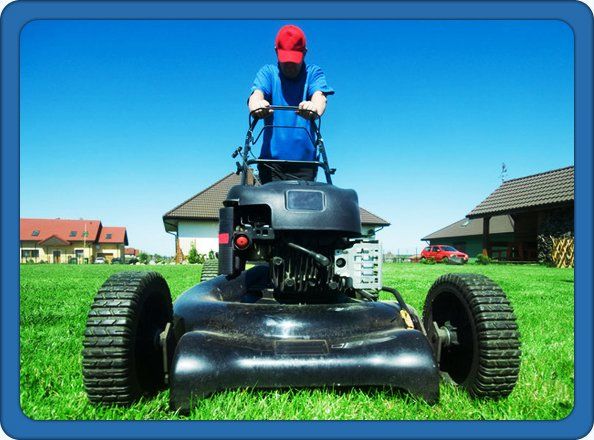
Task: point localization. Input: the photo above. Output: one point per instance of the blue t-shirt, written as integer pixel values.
(289, 143)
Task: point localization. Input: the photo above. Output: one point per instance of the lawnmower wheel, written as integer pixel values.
(210, 269)
(480, 347)
(122, 355)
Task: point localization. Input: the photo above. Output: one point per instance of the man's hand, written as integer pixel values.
(308, 110)
(260, 108)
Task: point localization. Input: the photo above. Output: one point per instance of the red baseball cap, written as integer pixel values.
(290, 44)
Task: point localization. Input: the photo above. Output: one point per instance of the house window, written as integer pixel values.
(72, 233)
(30, 253)
(108, 236)
(35, 233)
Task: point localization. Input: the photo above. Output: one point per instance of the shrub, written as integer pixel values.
(193, 254)
(483, 259)
(143, 258)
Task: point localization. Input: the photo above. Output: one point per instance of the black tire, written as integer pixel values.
(445, 260)
(210, 269)
(486, 362)
(122, 358)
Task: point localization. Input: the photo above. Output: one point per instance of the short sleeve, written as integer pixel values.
(317, 83)
(263, 81)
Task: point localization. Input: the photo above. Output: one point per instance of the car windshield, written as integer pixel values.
(449, 249)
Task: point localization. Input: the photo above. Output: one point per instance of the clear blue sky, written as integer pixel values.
(123, 120)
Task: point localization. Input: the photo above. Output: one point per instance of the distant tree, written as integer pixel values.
(143, 258)
(193, 256)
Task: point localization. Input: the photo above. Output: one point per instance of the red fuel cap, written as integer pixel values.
(241, 242)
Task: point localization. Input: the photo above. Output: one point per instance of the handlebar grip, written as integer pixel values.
(285, 108)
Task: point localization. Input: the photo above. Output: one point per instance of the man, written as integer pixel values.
(289, 83)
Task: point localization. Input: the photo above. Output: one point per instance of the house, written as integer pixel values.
(69, 241)
(196, 220)
(131, 252)
(466, 235)
(518, 219)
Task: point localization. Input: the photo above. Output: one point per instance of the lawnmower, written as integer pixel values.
(305, 313)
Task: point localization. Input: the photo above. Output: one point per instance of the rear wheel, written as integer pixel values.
(122, 356)
(473, 330)
(210, 269)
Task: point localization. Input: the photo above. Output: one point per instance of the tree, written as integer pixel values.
(143, 258)
(193, 254)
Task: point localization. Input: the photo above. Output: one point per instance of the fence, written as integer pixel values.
(563, 251)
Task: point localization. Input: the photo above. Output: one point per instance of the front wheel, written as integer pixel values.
(210, 269)
(472, 328)
(122, 356)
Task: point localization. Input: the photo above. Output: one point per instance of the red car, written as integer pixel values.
(440, 251)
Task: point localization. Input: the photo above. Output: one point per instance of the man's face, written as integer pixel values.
(290, 70)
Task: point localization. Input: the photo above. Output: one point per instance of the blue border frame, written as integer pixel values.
(16, 15)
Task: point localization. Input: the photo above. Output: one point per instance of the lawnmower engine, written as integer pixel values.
(308, 232)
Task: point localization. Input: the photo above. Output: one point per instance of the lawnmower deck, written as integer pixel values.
(226, 342)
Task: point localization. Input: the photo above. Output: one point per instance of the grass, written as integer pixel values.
(55, 301)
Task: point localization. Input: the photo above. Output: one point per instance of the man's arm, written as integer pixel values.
(316, 104)
(258, 104)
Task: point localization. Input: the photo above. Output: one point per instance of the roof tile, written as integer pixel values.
(548, 188)
(469, 227)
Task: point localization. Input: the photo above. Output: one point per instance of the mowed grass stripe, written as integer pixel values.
(55, 301)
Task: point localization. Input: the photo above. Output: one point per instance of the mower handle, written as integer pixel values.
(294, 108)
(316, 124)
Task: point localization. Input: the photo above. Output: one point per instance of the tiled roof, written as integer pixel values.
(367, 218)
(468, 227)
(113, 234)
(549, 188)
(66, 230)
(205, 205)
(54, 240)
(131, 251)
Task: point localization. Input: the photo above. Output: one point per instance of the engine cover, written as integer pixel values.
(303, 205)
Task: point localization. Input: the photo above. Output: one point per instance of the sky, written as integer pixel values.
(123, 120)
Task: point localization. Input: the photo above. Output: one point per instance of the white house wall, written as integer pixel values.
(204, 234)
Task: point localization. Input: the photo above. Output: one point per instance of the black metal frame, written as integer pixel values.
(250, 140)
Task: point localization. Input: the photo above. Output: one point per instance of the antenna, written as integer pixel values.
(503, 172)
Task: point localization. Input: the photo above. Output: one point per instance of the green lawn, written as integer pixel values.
(55, 301)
